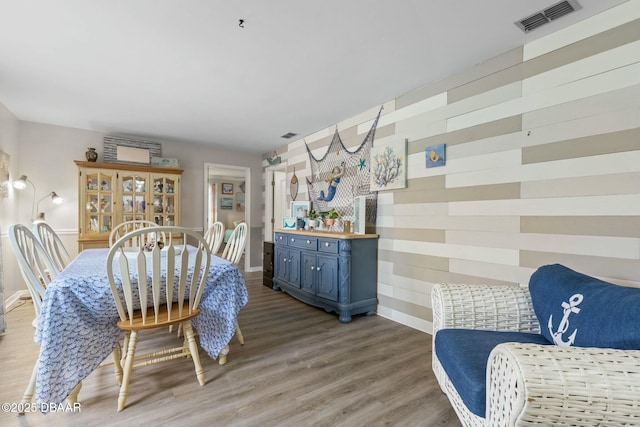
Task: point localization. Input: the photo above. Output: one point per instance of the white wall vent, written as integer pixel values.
(547, 15)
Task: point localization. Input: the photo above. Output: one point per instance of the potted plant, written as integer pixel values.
(312, 215)
(330, 216)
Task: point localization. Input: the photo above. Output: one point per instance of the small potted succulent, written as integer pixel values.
(330, 216)
(312, 215)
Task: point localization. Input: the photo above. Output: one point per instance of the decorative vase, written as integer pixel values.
(91, 154)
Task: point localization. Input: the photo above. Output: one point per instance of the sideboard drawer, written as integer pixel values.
(328, 246)
(280, 238)
(302, 242)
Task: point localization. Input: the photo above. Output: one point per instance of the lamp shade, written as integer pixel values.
(56, 199)
(21, 183)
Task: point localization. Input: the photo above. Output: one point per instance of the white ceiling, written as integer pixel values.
(184, 70)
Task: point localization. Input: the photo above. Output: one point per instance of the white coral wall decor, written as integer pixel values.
(389, 166)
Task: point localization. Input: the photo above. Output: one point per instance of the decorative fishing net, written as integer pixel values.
(341, 175)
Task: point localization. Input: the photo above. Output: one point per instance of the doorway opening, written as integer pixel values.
(227, 198)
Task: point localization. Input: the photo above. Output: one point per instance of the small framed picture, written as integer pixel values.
(227, 188)
(300, 208)
(226, 203)
(434, 156)
(288, 223)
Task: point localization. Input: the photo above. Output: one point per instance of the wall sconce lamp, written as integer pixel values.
(56, 201)
(21, 184)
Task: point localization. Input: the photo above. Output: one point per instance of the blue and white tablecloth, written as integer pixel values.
(77, 325)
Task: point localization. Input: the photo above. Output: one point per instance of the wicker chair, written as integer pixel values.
(532, 384)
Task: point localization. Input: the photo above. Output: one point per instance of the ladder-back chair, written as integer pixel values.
(129, 226)
(138, 279)
(38, 270)
(235, 246)
(52, 244)
(214, 236)
(233, 252)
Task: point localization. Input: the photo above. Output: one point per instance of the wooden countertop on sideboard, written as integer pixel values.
(332, 234)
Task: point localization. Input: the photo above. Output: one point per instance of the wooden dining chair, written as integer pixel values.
(234, 248)
(52, 244)
(38, 270)
(214, 236)
(129, 226)
(138, 279)
(233, 252)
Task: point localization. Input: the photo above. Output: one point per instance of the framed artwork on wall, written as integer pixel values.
(129, 151)
(434, 156)
(299, 209)
(227, 188)
(226, 203)
(388, 162)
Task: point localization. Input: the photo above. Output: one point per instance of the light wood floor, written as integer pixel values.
(298, 367)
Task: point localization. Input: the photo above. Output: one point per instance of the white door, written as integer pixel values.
(276, 202)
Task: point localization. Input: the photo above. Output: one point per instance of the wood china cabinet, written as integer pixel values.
(109, 194)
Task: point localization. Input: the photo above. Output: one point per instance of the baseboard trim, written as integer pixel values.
(14, 300)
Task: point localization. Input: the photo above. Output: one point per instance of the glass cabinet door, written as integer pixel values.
(133, 197)
(165, 193)
(99, 202)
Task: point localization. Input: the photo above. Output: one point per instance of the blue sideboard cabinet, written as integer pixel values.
(334, 271)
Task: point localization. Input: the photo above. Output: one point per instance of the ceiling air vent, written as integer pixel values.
(547, 15)
(288, 135)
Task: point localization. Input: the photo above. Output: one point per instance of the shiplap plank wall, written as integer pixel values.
(543, 166)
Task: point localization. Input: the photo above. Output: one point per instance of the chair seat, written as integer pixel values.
(463, 354)
(163, 318)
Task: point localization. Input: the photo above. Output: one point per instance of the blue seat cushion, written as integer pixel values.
(576, 309)
(463, 354)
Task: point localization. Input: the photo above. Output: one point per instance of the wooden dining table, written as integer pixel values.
(77, 327)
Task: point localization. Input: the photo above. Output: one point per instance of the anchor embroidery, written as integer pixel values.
(570, 307)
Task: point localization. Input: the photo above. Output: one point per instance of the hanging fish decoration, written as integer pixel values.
(293, 187)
